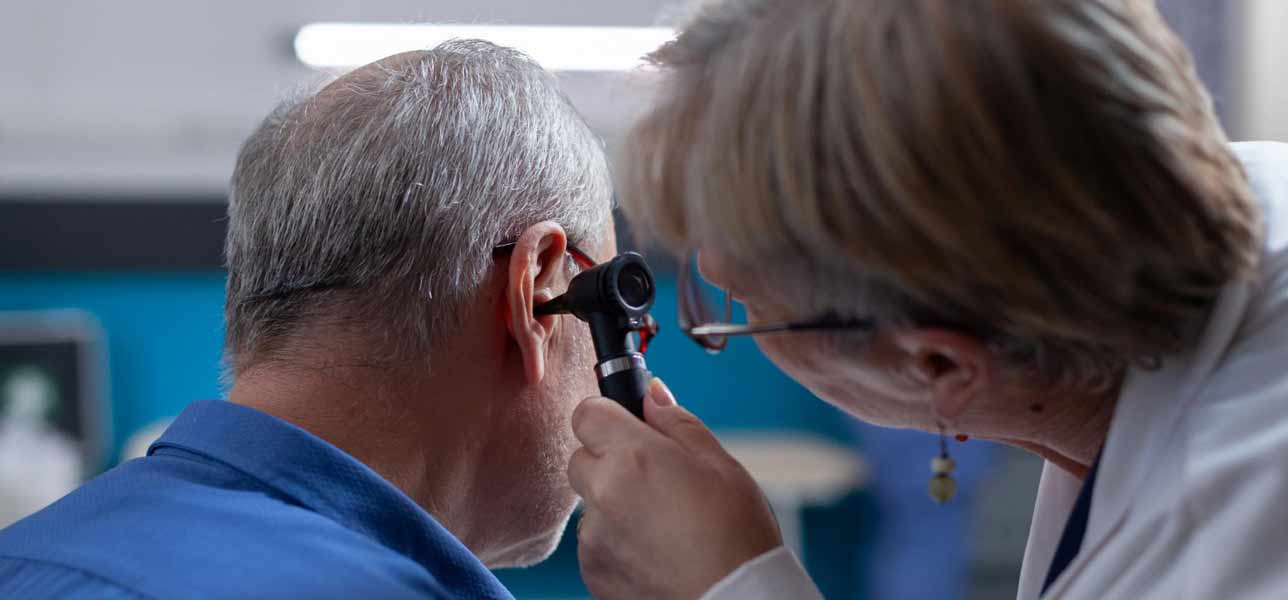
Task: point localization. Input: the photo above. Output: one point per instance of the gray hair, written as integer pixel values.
(375, 203)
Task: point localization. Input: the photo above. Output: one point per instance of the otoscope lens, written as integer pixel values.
(635, 286)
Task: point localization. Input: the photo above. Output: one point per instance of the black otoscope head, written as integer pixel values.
(614, 299)
(623, 286)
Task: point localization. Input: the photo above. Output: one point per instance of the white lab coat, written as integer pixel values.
(1191, 499)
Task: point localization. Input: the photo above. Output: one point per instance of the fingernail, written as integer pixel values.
(661, 394)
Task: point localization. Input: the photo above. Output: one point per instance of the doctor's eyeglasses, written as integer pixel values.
(706, 313)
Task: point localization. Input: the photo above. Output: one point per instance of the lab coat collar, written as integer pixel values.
(1149, 411)
(1152, 403)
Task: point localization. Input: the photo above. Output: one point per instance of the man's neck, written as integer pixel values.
(386, 420)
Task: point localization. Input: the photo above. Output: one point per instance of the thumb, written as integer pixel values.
(670, 419)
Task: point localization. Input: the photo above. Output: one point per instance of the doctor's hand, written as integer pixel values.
(667, 512)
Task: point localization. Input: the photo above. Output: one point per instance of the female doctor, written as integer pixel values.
(1011, 220)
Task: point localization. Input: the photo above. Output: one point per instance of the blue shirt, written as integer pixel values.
(235, 503)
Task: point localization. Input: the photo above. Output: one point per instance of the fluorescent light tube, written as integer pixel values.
(557, 48)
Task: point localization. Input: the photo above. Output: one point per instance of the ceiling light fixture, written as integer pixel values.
(557, 48)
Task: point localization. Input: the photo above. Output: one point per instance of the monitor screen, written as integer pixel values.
(52, 371)
(42, 380)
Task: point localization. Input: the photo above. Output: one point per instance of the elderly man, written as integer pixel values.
(398, 419)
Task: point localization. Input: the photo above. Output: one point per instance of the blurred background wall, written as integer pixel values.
(119, 123)
(1257, 70)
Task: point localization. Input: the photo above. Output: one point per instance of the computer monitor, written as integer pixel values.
(53, 367)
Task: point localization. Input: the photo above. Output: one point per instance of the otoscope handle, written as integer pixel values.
(625, 380)
(613, 298)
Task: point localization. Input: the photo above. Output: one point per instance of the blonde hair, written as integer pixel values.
(1046, 174)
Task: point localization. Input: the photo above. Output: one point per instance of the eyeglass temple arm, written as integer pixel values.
(735, 329)
(731, 329)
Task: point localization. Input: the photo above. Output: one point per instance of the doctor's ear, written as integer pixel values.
(537, 264)
(954, 368)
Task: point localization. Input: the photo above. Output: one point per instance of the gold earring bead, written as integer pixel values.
(942, 485)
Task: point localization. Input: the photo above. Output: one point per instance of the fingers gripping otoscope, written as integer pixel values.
(614, 299)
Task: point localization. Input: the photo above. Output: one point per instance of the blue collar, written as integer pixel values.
(322, 478)
(1074, 529)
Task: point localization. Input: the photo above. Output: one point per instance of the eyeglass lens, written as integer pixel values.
(702, 303)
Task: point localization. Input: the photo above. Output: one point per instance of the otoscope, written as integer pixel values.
(614, 299)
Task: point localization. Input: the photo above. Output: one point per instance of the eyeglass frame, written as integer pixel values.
(713, 336)
(583, 260)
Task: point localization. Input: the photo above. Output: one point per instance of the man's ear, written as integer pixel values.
(536, 265)
(954, 368)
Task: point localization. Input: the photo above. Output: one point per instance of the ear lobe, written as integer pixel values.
(953, 368)
(536, 264)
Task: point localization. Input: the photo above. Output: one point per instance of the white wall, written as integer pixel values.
(1261, 73)
(139, 97)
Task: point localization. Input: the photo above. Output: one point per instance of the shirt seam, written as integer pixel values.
(83, 571)
(194, 454)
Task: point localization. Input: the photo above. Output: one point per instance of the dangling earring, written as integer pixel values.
(942, 485)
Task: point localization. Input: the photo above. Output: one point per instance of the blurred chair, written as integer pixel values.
(136, 446)
(796, 471)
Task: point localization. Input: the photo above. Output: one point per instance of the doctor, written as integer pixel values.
(1013, 220)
